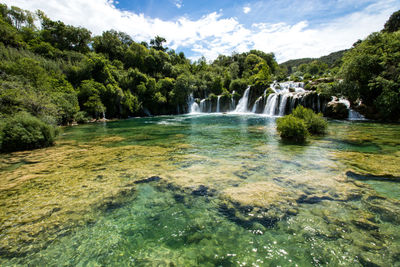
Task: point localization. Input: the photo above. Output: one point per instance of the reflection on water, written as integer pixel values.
(230, 194)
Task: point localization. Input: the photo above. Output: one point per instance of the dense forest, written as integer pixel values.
(315, 65)
(57, 74)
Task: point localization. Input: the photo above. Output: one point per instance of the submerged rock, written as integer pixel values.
(368, 176)
(148, 180)
(201, 191)
(364, 224)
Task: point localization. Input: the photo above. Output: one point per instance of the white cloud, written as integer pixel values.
(212, 34)
(178, 3)
(246, 9)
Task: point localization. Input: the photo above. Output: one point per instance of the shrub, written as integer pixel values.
(292, 128)
(212, 96)
(24, 132)
(82, 117)
(315, 123)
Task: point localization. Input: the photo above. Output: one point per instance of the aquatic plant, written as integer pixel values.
(292, 128)
(315, 123)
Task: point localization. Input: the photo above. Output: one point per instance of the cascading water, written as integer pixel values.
(353, 115)
(282, 105)
(270, 107)
(193, 106)
(203, 105)
(285, 97)
(255, 106)
(243, 102)
(268, 104)
(233, 100)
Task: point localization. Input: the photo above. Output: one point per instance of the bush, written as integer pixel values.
(292, 128)
(315, 123)
(25, 132)
(82, 117)
(212, 96)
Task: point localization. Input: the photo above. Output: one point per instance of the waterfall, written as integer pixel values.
(293, 103)
(203, 105)
(256, 104)
(193, 106)
(355, 116)
(268, 103)
(233, 101)
(270, 107)
(243, 102)
(219, 97)
(282, 105)
(286, 96)
(147, 112)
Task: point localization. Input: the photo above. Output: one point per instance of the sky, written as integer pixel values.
(290, 29)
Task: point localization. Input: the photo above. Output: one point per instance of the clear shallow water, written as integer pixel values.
(231, 194)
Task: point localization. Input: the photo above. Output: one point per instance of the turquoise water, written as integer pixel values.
(213, 204)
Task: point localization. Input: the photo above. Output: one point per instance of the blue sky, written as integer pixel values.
(290, 29)
(260, 11)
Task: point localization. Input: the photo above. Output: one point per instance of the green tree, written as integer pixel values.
(370, 74)
(157, 43)
(113, 44)
(64, 37)
(393, 23)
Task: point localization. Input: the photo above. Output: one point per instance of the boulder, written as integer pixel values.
(336, 110)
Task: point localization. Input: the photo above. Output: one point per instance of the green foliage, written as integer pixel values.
(181, 90)
(292, 128)
(94, 106)
(130, 104)
(268, 92)
(315, 123)
(238, 85)
(324, 63)
(370, 74)
(82, 117)
(328, 89)
(300, 124)
(64, 37)
(157, 43)
(212, 96)
(60, 72)
(9, 35)
(393, 23)
(25, 132)
(112, 43)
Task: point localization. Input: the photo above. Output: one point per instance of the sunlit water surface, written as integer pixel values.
(230, 193)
